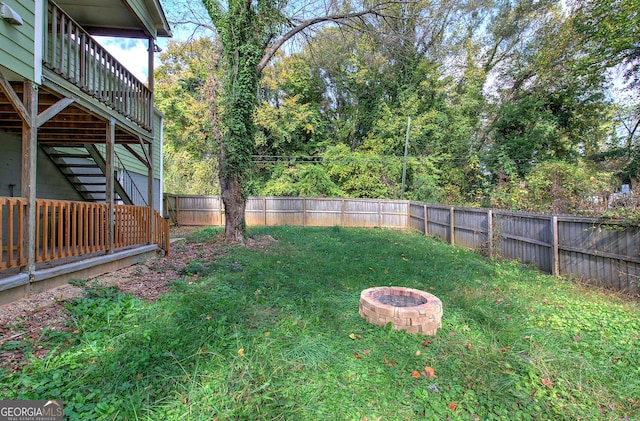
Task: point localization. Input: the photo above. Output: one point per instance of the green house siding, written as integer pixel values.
(17, 41)
(157, 145)
(140, 9)
(125, 159)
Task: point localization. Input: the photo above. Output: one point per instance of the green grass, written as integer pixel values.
(267, 334)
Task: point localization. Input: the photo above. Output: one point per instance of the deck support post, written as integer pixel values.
(150, 86)
(109, 173)
(28, 178)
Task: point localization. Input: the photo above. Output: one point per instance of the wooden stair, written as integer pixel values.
(84, 167)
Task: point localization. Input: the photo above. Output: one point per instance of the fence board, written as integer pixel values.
(417, 213)
(323, 212)
(439, 221)
(471, 228)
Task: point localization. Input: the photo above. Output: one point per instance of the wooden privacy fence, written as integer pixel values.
(310, 211)
(604, 253)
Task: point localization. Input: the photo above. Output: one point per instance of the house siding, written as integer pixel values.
(17, 43)
(130, 162)
(50, 183)
(140, 9)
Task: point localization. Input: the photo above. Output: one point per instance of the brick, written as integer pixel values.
(398, 321)
(413, 329)
(386, 310)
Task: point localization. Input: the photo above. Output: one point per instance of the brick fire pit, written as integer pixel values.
(405, 308)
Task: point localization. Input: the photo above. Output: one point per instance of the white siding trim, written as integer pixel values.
(38, 41)
(161, 138)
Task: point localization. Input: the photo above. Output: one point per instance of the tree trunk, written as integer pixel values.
(234, 203)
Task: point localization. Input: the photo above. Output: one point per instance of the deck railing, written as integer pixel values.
(67, 229)
(161, 232)
(76, 56)
(12, 217)
(132, 225)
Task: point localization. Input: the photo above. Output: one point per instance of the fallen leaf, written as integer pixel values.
(430, 372)
(602, 410)
(452, 333)
(546, 382)
(359, 336)
(452, 406)
(426, 342)
(389, 363)
(352, 336)
(208, 317)
(415, 374)
(418, 353)
(357, 356)
(110, 349)
(366, 352)
(241, 352)
(468, 347)
(499, 300)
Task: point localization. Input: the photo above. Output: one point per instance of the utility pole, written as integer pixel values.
(406, 150)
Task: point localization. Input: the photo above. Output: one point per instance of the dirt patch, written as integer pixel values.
(25, 320)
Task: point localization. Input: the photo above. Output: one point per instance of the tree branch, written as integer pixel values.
(336, 18)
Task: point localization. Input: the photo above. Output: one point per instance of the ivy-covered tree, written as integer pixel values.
(251, 32)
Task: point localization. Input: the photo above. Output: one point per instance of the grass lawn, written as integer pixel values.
(273, 332)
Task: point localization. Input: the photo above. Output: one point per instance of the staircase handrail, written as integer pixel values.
(129, 185)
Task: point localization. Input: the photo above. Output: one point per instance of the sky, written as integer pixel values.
(132, 53)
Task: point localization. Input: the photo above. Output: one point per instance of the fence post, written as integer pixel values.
(176, 207)
(426, 220)
(342, 213)
(408, 215)
(264, 210)
(490, 233)
(452, 234)
(379, 214)
(555, 264)
(304, 211)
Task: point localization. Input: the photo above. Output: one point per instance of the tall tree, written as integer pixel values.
(251, 32)
(611, 31)
(185, 82)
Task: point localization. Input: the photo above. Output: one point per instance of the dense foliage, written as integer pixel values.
(510, 104)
